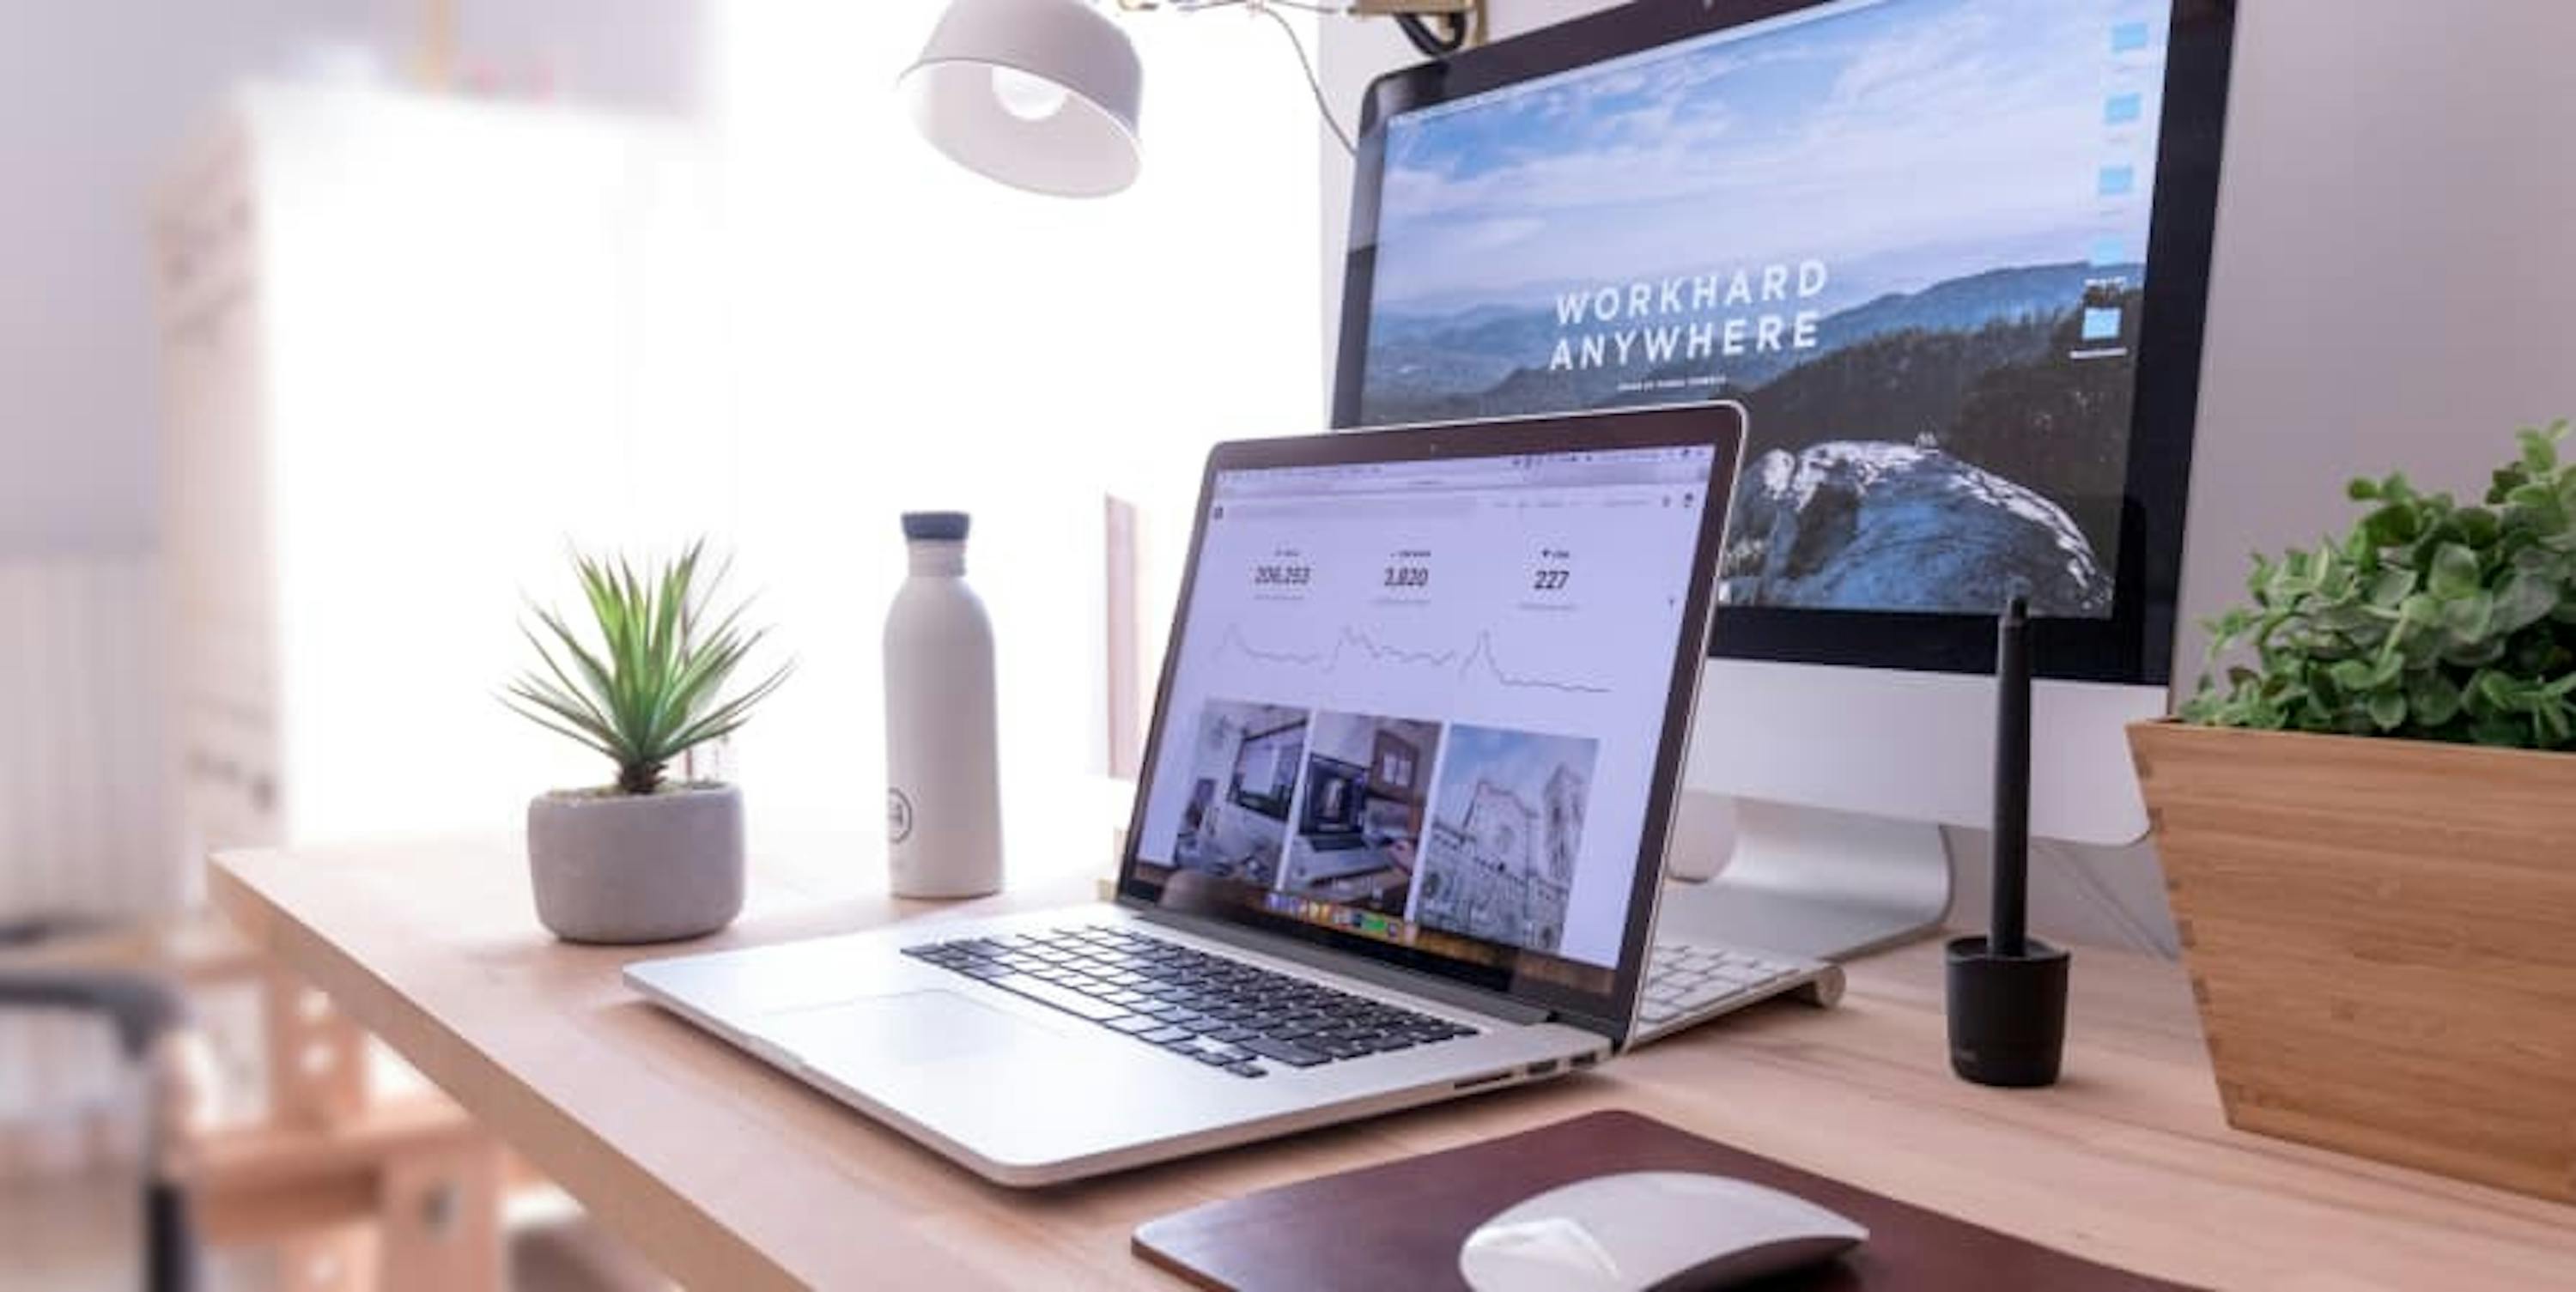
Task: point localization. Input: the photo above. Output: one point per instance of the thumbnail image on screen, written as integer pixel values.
(1359, 820)
(1909, 235)
(1506, 833)
(1243, 776)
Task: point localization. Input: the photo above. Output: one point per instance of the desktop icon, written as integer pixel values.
(2123, 109)
(2102, 324)
(2118, 181)
(2130, 37)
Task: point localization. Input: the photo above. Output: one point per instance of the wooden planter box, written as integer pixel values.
(2381, 936)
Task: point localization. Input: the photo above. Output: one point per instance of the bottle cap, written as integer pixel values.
(935, 526)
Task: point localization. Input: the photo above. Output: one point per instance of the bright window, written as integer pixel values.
(909, 335)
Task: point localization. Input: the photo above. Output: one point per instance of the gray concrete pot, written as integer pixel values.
(624, 868)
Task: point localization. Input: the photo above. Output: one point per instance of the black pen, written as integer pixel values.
(2012, 780)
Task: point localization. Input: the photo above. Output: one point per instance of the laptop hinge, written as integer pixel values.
(1492, 1003)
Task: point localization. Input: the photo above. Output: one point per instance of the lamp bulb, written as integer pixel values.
(1030, 98)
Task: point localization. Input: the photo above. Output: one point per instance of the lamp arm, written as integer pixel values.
(1438, 28)
(1418, 30)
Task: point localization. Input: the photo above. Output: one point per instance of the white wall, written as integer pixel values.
(898, 334)
(2393, 287)
(913, 336)
(95, 99)
(93, 95)
(2395, 283)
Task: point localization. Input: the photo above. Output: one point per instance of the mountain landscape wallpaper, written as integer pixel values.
(1908, 236)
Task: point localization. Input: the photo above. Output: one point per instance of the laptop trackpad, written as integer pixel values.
(912, 1028)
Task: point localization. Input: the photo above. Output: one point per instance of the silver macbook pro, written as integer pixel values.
(1408, 788)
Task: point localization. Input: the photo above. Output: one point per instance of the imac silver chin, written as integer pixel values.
(1812, 825)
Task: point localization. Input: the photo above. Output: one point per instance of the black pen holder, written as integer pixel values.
(2007, 1013)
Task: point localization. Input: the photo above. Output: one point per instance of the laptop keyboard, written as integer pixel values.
(1224, 1013)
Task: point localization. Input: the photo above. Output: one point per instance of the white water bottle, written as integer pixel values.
(943, 792)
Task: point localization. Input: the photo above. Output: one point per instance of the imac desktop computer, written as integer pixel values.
(1952, 255)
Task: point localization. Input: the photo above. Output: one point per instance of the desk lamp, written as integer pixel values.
(1044, 95)
(1039, 94)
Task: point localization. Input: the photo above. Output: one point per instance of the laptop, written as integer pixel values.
(1408, 788)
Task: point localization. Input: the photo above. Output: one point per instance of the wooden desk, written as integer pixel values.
(730, 1175)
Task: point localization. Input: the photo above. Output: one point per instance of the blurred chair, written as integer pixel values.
(148, 1015)
(355, 1191)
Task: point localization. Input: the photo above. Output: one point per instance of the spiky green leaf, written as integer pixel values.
(648, 682)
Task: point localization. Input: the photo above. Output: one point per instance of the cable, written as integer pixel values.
(1323, 105)
(1314, 83)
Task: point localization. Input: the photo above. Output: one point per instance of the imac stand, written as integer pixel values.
(1821, 790)
(1803, 881)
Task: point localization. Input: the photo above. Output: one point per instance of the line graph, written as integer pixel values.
(1352, 639)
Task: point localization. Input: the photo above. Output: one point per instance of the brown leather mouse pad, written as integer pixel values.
(1399, 1225)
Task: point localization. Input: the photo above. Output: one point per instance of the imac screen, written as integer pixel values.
(1909, 235)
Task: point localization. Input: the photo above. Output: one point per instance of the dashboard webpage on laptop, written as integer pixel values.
(1420, 702)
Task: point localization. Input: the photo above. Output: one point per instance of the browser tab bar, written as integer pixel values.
(1556, 470)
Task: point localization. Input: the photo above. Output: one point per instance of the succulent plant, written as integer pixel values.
(2428, 621)
(653, 687)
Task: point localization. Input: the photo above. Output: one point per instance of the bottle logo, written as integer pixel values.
(898, 816)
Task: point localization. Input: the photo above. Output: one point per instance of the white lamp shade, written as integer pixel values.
(1039, 94)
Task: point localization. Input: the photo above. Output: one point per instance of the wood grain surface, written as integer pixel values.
(2383, 937)
(730, 1175)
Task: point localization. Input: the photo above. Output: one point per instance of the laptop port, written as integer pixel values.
(1545, 1069)
(1488, 1079)
(1586, 1060)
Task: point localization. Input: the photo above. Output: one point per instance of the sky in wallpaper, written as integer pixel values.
(1897, 143)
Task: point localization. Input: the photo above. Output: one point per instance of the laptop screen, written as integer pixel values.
(1421, 703)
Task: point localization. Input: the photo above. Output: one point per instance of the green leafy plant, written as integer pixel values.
(2429, 621)
(653, 686)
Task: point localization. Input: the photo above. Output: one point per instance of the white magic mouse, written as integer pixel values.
(1651, 1229)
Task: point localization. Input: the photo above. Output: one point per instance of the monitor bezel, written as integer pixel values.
(1718, 424)
(2135, 645)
